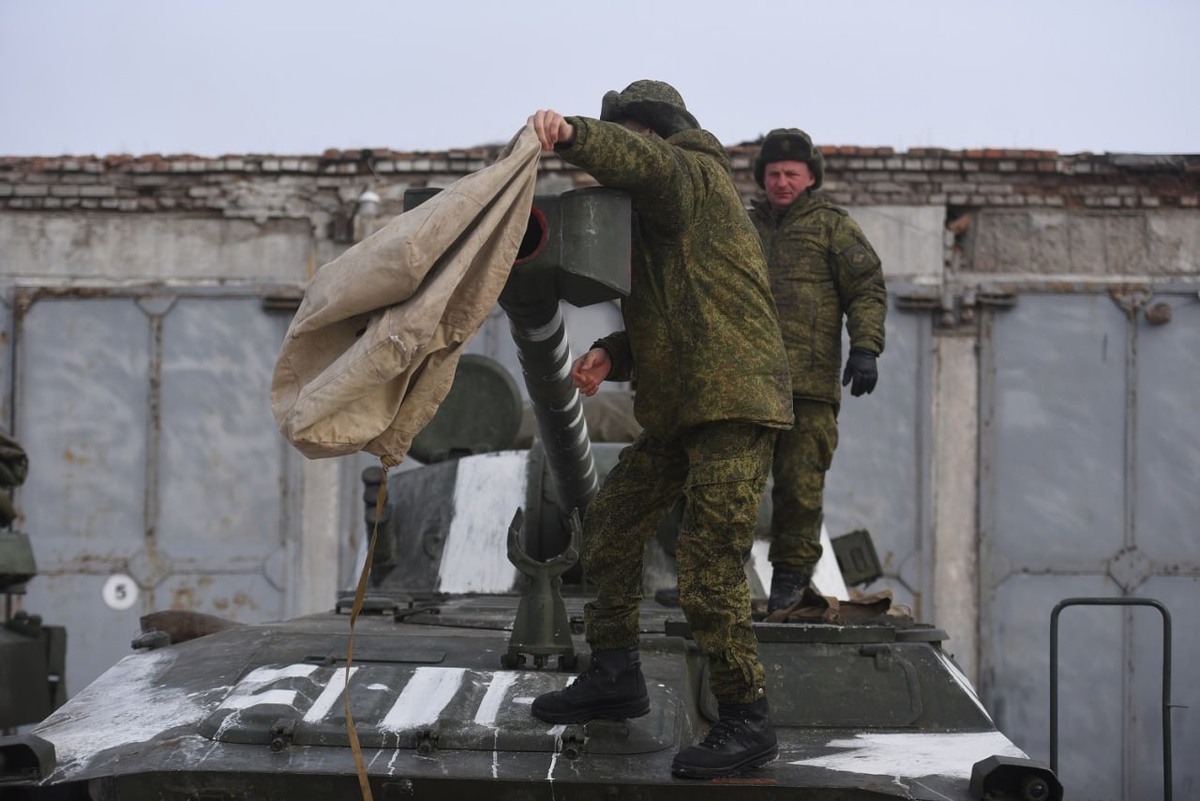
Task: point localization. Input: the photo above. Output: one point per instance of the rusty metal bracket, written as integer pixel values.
(955, 307)
(1131, 299)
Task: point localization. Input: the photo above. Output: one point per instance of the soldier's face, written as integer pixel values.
(636, 127)
(785, 181)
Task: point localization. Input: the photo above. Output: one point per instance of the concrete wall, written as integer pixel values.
(1121, 244)
(43, 249)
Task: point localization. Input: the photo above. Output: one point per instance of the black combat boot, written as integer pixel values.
(612, 688)
(786, 588)
(743, 738)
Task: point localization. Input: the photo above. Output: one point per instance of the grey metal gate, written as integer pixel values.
(157, 477)
(880, 475)
(1090, 442)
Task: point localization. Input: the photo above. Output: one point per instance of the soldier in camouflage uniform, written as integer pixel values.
(702, 335)
(822, 269)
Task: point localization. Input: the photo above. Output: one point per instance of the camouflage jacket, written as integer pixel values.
(822, 267)
(701, 333)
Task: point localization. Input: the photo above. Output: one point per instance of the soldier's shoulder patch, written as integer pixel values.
(859, 258)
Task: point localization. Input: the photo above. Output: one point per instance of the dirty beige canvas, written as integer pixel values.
(373, 347)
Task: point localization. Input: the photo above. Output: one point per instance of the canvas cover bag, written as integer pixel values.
(373, 347)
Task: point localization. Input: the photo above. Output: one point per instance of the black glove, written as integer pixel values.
(860, 368)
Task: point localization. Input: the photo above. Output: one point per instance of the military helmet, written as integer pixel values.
(652, 103)
(789, 144)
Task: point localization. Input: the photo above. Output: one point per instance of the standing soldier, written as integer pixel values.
(702, 333)
(822, 269)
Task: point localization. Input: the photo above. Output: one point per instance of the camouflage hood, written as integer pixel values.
(652, 103)
(702, 141)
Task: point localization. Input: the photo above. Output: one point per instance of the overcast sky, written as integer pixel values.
(98, 77)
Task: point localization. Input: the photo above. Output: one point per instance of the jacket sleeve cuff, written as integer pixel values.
(616, 345)
(868, 346)
(581, 133)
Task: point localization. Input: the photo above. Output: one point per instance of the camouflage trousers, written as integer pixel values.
(802, 457)
(720, 469)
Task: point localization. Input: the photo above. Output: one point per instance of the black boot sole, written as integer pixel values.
(696, 772)
(622, 711)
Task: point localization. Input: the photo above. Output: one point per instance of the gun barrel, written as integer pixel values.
(545, 356)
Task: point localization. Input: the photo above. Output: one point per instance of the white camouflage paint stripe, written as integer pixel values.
(488, 491)
(904, 754)
(424, 697)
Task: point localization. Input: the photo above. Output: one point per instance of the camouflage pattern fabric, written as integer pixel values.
(14, 467)
(702, 340)
(720, 469)
(822, 268)
(14, 464)
(802, 457)
(701, 330)
(653, 103)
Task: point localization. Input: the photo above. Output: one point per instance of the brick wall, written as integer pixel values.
(990, 213)
(259, 186)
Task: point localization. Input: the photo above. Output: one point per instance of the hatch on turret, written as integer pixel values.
(480, 414)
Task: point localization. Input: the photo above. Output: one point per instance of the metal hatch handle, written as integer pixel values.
(1166, 679)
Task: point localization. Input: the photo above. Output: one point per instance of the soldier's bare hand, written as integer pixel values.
(590, 369)
(551, 128)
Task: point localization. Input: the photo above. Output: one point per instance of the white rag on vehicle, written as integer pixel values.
(374, 345)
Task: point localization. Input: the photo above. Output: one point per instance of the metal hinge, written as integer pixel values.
(282, 734)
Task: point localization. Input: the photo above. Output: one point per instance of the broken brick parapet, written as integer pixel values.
(266, 186)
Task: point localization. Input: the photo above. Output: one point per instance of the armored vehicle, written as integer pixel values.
(32, 655)
(418, 684)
